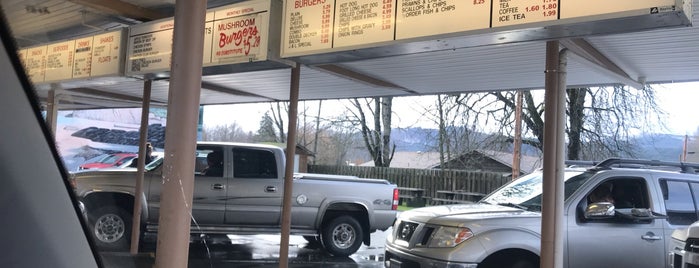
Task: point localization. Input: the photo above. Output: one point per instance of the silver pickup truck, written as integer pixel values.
(238, 189)
(619, 213)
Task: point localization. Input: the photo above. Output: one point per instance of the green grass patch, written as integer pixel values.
(404, 208)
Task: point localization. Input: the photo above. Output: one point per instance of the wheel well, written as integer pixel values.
(96, 200)
(357, 211)
(506, 257)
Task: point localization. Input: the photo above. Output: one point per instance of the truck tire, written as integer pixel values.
(111, 228)
(342, 236)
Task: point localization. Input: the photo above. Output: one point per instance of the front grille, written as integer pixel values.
(406, 230)
(692, 245)
(677, 261)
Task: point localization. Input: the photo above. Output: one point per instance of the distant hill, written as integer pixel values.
(664, 147)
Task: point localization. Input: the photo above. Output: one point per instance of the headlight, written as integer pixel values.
(449, 237)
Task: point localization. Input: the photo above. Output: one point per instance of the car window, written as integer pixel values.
(253, 163)
(623, 192)
(209, 162)
(679, 202)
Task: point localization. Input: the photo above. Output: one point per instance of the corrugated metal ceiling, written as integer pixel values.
(663, 55)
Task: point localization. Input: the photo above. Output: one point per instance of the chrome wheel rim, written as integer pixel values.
(344, 236)
(109, 228)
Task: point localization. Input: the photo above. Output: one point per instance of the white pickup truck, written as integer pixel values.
(239, 190)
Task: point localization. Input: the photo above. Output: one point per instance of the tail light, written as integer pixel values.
(395, 199)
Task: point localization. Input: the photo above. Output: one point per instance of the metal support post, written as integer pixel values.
(181, 135)
(289, 169)
(139, 197)
(552, 209)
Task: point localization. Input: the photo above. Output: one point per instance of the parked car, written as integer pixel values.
(239, 189)
(647, 204)
(684, 247)
(156, 156)
(108, 160)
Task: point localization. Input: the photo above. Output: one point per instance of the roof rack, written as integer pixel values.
(580, 163)
(625, 162)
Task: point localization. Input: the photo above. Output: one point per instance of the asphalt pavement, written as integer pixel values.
(256, 251)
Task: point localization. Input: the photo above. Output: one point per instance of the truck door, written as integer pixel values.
(255, 188)
(209, 196)
(617, 241)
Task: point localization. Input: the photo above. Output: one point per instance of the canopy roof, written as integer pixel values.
(656, 56)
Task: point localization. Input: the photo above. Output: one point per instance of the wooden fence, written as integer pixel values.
(432, 180)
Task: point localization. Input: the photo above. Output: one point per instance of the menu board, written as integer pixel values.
(353, 24)
(35, 64)
(356, 20)
(308, 25)
(92, 56)
(573, 9)
(241, 33)
(107, 54)
(235, 33)
(150, 47)
(59, 60)
(208, 37)
(418, 18)
(82, 59)
(515, 12)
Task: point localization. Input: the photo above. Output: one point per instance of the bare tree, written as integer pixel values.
(377, 139)
(601, 120)
(276, 109)
(458, 121)
(232, 132)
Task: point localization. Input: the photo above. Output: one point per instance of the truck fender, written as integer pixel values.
(350, 206)
(91, 199)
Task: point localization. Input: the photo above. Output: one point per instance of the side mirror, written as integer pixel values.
(601, 210)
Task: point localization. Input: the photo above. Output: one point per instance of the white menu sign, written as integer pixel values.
(308, 25)
(357, 20)
(354, 24)
(572, 9)
(417, 18)
(99, 55)
(106, 54)
(235, 33)
(241, 33)
(515, 12)
(59, 61)
(36, 63)
(82, 60)
(150, 47)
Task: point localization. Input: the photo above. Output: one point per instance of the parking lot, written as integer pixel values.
(258, 251)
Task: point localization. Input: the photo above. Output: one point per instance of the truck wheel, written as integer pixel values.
(111, 228)
(342, 236)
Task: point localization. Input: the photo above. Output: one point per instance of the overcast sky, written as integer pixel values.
(679, 100)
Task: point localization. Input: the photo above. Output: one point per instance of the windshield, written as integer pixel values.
(525, 192)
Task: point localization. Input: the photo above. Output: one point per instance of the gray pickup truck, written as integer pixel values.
(239, 189)
(619, 213)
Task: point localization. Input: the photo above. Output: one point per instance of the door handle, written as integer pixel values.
(650, 236)
(270, 189)
(217, 186)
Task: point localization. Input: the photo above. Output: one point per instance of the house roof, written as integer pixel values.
(420, 160)
(428, 160)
